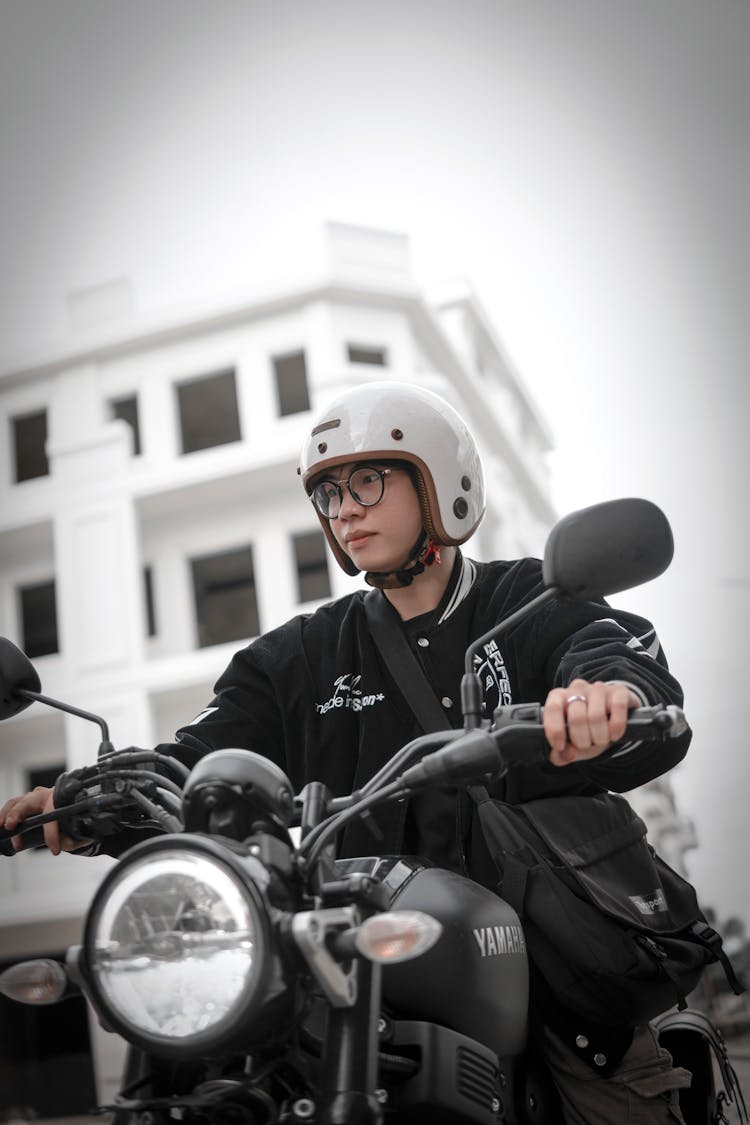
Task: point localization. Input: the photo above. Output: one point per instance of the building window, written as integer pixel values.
(148, 594)
(43, 775)
(38, 619)
(29, 444)
(310, 557)
(127, 409)
(225, 604)
(292, 392)
(208, 411)
(377, 357)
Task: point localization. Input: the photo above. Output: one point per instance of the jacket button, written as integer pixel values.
(446, 702)
(582, 1042)
(423, 642)
(600, 1059)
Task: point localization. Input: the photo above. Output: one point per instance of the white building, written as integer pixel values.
(152, 521)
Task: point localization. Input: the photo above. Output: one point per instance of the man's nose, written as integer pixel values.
(349, 506)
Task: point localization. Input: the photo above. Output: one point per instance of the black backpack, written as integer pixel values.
(615, 932)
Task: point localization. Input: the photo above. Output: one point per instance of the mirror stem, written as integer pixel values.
(471, 700)
(37, 697)
(471, 687)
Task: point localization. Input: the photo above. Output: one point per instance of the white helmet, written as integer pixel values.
(398, 421)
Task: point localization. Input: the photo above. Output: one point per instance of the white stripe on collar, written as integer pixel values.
(464, 583)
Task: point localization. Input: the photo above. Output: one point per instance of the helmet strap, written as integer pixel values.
(424, 553)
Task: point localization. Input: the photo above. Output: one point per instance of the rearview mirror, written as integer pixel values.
(607, 548)
(16, 672)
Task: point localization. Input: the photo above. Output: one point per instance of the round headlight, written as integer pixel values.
(176, 946)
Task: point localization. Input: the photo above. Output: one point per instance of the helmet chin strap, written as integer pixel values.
(424, 553)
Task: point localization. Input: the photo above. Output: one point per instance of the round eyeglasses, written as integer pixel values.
(366, 486)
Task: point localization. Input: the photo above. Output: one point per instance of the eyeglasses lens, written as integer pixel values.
(365, 487)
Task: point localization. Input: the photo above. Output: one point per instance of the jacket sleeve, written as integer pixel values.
(243, 714)
(593, 641)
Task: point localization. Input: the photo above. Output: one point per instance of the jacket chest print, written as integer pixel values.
(489, 665)
(348, 695)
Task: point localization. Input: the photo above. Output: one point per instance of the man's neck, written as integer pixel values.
(426, 590)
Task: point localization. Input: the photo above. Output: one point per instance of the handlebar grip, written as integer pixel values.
(32, 839)
(657, 721)
(519, 733)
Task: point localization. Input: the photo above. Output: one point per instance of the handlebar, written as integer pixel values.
(517, 735)
(89, 800)
(115, 792)
(32, 828)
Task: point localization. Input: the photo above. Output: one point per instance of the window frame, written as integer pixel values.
(294, 538)
(135, 425)
(192, 381)
(13, 422)
(202, 627)
(366, 350)
(25, 587)
(278, 358)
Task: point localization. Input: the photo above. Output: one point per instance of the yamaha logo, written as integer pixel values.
(496, 940)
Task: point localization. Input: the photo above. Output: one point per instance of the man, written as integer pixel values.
(397, 484)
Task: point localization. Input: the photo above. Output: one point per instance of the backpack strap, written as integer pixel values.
(706, 936)
(403, 664)
(513, 870)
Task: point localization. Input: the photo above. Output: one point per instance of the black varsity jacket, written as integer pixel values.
(315, 697)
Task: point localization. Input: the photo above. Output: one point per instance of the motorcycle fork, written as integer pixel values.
(349, 1070)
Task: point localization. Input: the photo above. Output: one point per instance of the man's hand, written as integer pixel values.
(39, 800)
(583, 719)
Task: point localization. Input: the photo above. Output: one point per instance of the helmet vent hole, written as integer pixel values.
(322, 446)
(466, 483)
(397, 435)
(460, 508)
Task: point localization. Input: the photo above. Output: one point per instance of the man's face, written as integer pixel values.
(380, 537)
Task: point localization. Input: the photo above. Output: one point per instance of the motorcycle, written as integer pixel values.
(258, 979)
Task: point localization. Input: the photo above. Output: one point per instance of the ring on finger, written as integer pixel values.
(576, 699)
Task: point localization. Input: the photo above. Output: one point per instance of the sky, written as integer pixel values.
(584, 164)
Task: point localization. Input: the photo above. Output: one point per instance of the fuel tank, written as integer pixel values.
(475, 979)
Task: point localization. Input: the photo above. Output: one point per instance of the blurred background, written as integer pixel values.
(585, 166)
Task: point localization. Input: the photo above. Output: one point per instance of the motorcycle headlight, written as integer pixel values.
(177, 947)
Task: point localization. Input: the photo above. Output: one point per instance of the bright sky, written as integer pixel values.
(585, 164)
